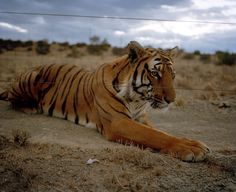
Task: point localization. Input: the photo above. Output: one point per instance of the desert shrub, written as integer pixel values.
(20, 136)
(75, 53)
(10, 45)
(118, 51)
(64, 44)
(42, 47)
(225, 58)
(81, 44)
(197, 52)
(29, 49)
(94, 40)
(94, 49)
(206, 58)
(27, 43)
(6, 44)
(105, 45)
(97, 49)
(188, 56)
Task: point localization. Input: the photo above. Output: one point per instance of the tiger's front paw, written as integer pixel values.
(187, 150)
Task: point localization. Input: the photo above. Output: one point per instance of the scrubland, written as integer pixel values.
(39, 153)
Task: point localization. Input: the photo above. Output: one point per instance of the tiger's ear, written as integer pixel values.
(174, 52)
(135, 50)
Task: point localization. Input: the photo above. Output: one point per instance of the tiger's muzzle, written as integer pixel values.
(157, 103)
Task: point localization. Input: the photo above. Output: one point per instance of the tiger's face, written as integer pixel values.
(154, 75)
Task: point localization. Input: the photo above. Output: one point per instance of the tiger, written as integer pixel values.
(114, 98)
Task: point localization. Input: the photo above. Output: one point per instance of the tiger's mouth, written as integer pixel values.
(157, 104)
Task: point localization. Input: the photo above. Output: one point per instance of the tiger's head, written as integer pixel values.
(152, 74)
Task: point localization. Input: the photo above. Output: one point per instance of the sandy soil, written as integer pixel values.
(55, 158)
(57, 151)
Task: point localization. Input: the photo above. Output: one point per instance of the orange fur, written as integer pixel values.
(113, 98)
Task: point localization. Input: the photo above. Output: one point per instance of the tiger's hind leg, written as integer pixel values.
(28, 110)
(19, 104)
(28, 107)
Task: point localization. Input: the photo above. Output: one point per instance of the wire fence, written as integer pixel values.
(95, 17)
(117, 18)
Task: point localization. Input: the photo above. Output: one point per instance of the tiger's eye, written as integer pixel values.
(154, 73)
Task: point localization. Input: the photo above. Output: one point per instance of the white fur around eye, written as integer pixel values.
(156, 62)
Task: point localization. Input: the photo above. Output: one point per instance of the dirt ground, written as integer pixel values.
(54, 159)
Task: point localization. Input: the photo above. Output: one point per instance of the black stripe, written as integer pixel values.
(115, 82)
(58, 86)
(47, 72)
(38, 77)
(84, 93)
(96, 101)
(16, 93)
(44, 92)
(143, 72)
(111, 94)
(134, 78)
(50, 111)
(29, 86)
(121, 112)
(20, 86)
(76, 119)
(86, 117)
(66, 84)
(75, 103)
(71, 84)
(54, 98)
(90, 83)
(136, 71)
(58, 70)
(66, 116)
(36, 80)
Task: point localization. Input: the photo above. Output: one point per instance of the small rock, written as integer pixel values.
(91, 161)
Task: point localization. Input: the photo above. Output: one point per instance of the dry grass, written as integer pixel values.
(134, 155)
(15, 174)
(180, 102)
(20, 136)
(45, 167)
(197, 80)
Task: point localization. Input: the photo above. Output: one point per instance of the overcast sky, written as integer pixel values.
(190, 36)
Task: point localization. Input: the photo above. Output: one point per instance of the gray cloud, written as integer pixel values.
(205, 37)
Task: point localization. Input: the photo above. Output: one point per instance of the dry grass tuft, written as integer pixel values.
(15, 174)
(208, 94)
(225, 160)
(135, 156)
(20, 136)
(183, 82)
(180, 102)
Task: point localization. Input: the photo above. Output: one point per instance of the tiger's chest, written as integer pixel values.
(137, 108)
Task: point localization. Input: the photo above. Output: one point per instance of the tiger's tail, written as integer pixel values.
(4, 96)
